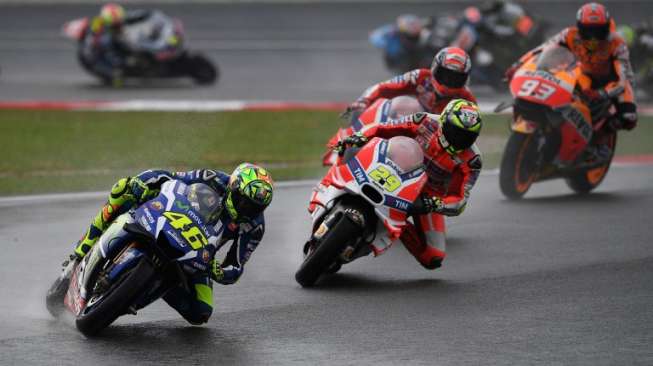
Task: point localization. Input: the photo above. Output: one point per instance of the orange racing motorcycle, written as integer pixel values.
(547, 104)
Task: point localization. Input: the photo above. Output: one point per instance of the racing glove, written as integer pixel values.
(138, 189)
(355, 140)
(594, 96)
(358, 106)
(217, 273)
(426, 204)
(510, 72)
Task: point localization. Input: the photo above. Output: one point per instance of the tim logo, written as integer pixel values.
(359, 174)
(402, 205)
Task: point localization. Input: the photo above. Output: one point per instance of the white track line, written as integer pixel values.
(57, 197)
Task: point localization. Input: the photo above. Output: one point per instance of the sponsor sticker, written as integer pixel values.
(156, 205)
(206, 256)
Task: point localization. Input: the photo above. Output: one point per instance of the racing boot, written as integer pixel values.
(429, 257)
(124, 194)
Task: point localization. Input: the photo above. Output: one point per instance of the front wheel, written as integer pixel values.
(328, 248)
(115, 300)
(517, 171)
(585, 181)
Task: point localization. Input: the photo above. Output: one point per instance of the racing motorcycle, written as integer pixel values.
(381, 110)
(547, 105)
(362, 204)
(154, 48)
(143, 254)
(402, 56)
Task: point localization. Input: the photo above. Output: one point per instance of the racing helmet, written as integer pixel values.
(461, 124)
(249, 192)
(593, 22)
(409, 26)
(112, 15)
(450, 67)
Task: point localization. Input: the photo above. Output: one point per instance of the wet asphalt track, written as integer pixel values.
(315, 52)
(556, 279)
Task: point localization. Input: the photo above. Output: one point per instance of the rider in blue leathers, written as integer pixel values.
(245, 195)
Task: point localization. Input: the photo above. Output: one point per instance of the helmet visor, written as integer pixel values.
(450, 78)
(245, 207)
(457, 137)
(599, 32)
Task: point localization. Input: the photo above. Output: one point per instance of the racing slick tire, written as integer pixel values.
(116, 299)
(585, 181)
(516, 173)
(322, 258)
(202, 70)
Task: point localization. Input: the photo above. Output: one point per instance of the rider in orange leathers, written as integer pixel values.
(604, 62)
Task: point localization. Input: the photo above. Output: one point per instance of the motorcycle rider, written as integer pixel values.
(453, 164)
(103, 48)
(246, 193)
(605, 64)
(501, 19)
(434, 88)
(403, 42)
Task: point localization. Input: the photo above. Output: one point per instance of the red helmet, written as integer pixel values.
(113, 15)
(593, 22)
(450, 67)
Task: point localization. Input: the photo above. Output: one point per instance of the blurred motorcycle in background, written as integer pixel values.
(548, 103)
(406, 44)
(154, 47)
(640, 45)
(492, 35)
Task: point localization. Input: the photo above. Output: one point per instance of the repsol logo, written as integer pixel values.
(578, 120)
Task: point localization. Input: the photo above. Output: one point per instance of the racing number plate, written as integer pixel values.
(189, 230)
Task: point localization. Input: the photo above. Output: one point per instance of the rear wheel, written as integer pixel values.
(115, 300)
(321, 259)
(586, 180)
(202, 70)
(517, 171)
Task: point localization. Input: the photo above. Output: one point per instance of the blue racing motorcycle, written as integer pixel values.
(143, 254)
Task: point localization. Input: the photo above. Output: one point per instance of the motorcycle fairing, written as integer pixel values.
(367, 175)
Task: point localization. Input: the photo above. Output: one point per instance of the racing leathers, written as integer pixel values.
(419, 82)
(606, 68)
(195, 306)
(450, 180)
(102, 50)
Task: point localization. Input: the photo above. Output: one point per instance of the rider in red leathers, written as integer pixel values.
(452, 162)
(434, 88)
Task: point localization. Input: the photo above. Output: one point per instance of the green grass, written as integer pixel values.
(46, 151)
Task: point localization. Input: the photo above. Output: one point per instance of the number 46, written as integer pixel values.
(536, 89)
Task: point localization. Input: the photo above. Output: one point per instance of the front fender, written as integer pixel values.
(522, 125)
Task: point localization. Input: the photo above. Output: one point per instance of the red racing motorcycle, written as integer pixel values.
(547, 106)
(381, 110)
(362, 204)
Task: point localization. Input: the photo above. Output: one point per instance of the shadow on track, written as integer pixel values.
(168, 340)
(599, 198)
(137, 84)
(357, 283)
